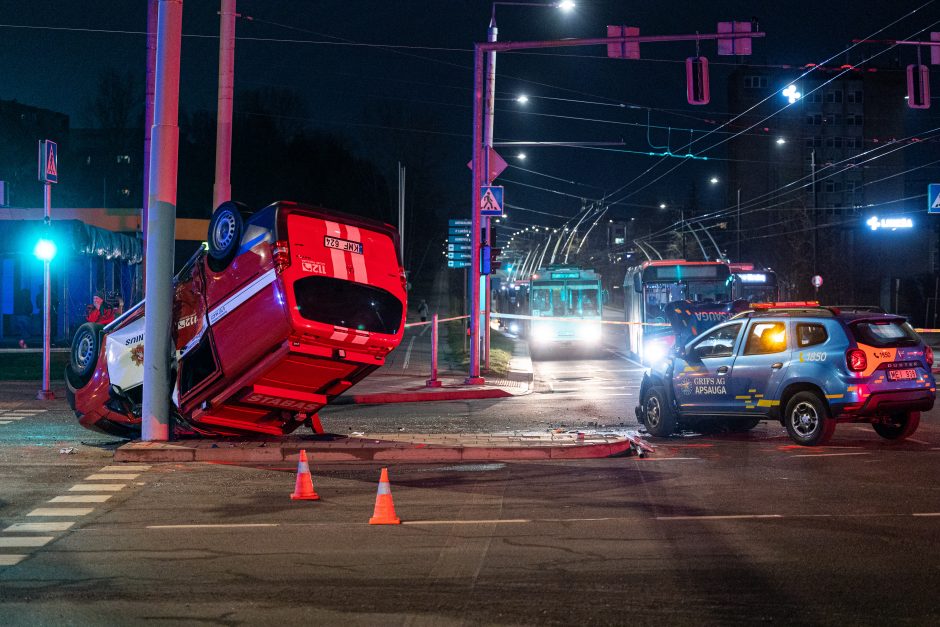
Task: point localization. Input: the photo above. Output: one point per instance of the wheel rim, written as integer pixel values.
(653, 412)
(804, 419)
(83, 351)
(224, 231)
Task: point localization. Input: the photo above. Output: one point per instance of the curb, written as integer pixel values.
(419, 397)
(365, 450)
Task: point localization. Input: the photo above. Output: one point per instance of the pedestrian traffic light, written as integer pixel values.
(495, 264)
(488, 259)
(918, 87)
(696, 80)
(45, 249)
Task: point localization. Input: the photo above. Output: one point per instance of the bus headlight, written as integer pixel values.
(655, 351)
(514, 327)
(589, 332)
(543, 332)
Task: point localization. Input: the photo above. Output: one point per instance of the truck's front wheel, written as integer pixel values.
(659, 417)
(807, 420)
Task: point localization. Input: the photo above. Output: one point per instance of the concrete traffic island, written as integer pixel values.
(386, 447)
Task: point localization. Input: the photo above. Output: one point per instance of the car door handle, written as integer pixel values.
(776, 366)
(722, 370)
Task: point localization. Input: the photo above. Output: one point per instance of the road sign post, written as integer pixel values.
(48, 174)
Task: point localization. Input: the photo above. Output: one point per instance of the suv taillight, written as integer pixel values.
(280, 250)
(928, 355)
(855, 359)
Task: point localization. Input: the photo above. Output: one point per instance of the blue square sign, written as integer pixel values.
(933, 198)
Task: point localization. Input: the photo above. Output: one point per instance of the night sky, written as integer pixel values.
(425, 74)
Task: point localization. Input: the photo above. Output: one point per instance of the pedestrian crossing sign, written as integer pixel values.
(491, 200)
(48, 161)
(933, 198)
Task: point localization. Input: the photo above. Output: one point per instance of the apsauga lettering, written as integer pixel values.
(710, 385)
(712, 316)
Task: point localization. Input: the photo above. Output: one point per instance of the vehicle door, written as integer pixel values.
(197, 365)
(760, 365)
(701, 373)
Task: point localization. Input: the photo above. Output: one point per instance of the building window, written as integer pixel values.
(854, 96)
(815, 118)
(834, 96)
(755, 82)
(123, 158)
(816, 96)
(854, 120)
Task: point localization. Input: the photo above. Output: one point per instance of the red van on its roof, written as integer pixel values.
(279, 314)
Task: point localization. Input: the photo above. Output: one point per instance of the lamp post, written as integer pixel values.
(492, 35)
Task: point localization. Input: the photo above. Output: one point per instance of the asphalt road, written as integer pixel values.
(719, 529)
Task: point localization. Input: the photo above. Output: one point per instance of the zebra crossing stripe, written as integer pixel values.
(37, 527)
(10, 560)
(110, 476)
(25, 541)
(82, 498)
(129, 468)
(61, 511)
(97, 487)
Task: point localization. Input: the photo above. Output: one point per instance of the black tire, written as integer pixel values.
(807, 420)
(902, 425)
(83, 357)
(225, 235)
(659, 418)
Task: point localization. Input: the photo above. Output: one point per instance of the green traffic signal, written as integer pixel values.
(45, 249)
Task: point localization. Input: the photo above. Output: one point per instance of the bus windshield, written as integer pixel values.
(565, 299)
(658, 295)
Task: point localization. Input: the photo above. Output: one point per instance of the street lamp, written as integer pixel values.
(523, 99)
(45, 250)
(521, 156)
(713, 180)
(791, 94)
(781, 141)
(662, 205)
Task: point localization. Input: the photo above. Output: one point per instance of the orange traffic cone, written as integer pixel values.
(303, 489)
(384, 513)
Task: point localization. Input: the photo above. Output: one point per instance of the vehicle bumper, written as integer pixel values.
(882, 403)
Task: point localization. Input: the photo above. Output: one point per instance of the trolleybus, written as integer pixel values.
(565, 308)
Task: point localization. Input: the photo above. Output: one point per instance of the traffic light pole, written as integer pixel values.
(478, 138)
(45, 393)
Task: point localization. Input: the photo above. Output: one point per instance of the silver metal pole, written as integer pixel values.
(45, 393)
(161, 222)
(222, 190)
(148, 106)
(488, 143)
(433, 382)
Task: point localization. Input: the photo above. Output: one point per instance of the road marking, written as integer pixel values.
(13, 417)
(129, 468)
(61, 511)
(507, 521)
(220, 526)
(110, 476)
(10, 560)
(82, 498)
(728, 517)
(4, 422)
(404, 365)
(668, 459)
(25, 541)
(917, 441)
(43, 526)
(96, 487)
(829, 454)
(926, 514)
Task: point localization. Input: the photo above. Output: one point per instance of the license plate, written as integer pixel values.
(343, 244)
(901, 375)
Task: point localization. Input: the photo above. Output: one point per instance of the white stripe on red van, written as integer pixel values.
(360, 274)
(338, 257)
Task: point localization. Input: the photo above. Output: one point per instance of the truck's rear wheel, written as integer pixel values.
(902, 425)
(225, 235)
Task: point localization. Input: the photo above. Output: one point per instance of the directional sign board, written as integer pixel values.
(458, 247)
(458, 264)
(491, 200)
(48, 161)
(458, 231)
(460, 223)
(456, 256)
(458, 239)
(933, 198)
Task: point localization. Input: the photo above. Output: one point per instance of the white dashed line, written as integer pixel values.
(110, 476)
(927, 514)
(35, 527)
(97, 487)
(25, 541)
(61, 511)
(129, 468)
(10, 560)
(220, 526)
(82, 498)
(731, 517)
(830, 454)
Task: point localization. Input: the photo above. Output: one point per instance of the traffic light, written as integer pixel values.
(696, 80)
(495, 264)
(488, 259)
(918, 87)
